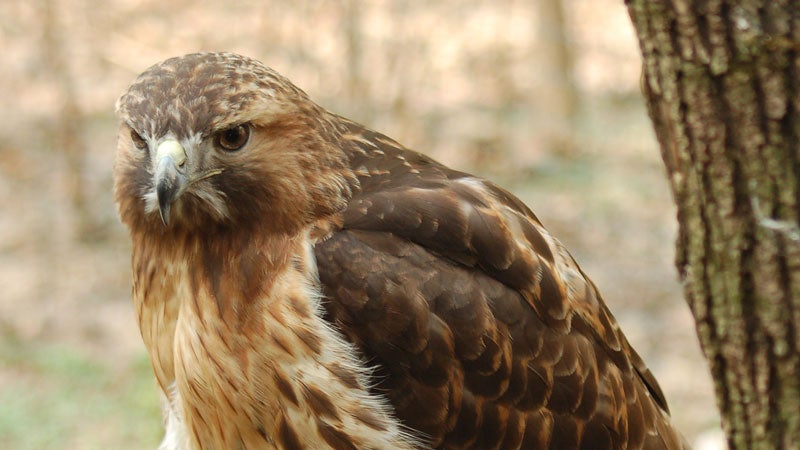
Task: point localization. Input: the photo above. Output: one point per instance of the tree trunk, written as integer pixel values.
(556, 55)
(721, 81)
(66, 136)
(555, 61)
(357, 88)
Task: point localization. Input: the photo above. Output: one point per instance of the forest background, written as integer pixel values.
(542, 97)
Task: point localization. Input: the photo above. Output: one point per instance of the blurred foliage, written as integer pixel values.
(541, 96)
(57, 397)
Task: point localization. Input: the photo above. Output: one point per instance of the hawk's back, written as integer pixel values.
(483, 331)
(240, 193)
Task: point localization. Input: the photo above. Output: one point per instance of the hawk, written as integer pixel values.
(301, 281)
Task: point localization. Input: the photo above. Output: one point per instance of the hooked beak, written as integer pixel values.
(169, 179)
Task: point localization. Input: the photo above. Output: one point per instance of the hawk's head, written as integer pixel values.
(218, 138)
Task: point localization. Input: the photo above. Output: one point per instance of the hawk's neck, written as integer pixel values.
(235, 335)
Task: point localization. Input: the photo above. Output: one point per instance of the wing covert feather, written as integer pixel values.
(462, 357)
(483, 331)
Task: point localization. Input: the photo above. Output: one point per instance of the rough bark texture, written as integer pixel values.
(721, 82)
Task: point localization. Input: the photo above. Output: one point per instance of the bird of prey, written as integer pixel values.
(303, 282)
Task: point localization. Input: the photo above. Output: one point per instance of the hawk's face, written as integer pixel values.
(220, 139)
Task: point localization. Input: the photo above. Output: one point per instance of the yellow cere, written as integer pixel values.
(173, 149)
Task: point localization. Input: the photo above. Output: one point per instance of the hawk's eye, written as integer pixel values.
(233, 138)
(138, 140)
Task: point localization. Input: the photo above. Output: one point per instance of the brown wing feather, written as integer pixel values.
(484, 332)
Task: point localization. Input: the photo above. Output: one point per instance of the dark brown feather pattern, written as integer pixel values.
(448, 317)
(441, 302)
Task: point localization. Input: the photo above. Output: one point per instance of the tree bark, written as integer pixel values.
(721, 82)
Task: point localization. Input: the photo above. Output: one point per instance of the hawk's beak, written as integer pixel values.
(169, 178)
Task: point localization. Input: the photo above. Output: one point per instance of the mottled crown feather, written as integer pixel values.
(202, 92)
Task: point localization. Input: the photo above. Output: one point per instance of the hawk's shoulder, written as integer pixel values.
(482, 328)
